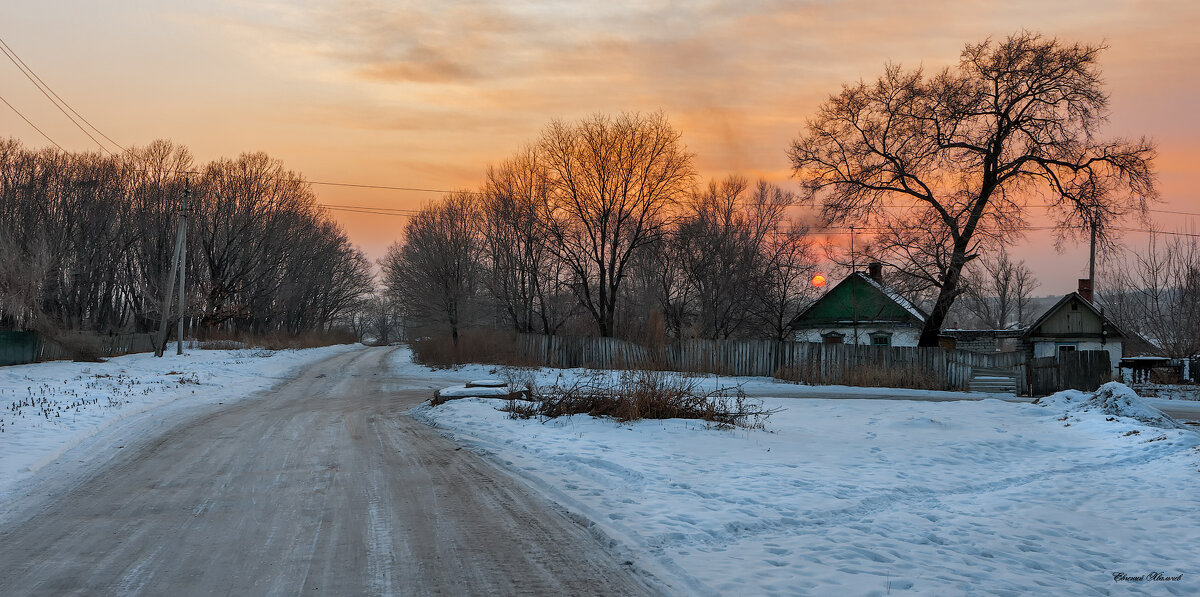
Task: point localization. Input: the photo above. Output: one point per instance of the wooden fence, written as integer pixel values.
(933, 368)
(17, 348)
(1083, 370)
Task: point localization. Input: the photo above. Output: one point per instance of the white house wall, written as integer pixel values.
(902, 336)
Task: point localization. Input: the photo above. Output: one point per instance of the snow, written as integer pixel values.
(48, 408)
(472, 392)
(1114, 399)
(871, 497)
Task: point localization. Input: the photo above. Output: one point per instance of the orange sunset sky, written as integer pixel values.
(426, 94)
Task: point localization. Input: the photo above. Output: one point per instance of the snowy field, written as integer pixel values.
(48, 408)
(871, 497)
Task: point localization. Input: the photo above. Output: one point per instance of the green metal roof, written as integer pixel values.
(859, 298)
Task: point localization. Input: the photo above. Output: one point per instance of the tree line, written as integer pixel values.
(599, 228)
(86, 243)
(601, 221)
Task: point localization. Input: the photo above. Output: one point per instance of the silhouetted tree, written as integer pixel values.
(961, 151)
(1156, 293)
(435, 272)
(998, 292)
(612, 182)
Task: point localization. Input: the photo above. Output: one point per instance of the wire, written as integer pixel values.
(60, 147)
(20, 64)
(367, 211)
(390, 209)
(387, 188)
(824, 230)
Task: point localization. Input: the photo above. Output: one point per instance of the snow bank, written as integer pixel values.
(1114, 399)
(48, 408)
(469, 391)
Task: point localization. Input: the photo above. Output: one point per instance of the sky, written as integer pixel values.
(425, 94)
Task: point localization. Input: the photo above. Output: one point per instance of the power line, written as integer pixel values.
(387, 188)
(29, 74)
(18, 112)
(362, 210)
(336, 205)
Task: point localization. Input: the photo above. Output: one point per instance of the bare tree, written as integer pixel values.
(784, 290)
(381, 318)
(434, 273)
(524, 274)
(1156, 293)
(91, 237)
(612, 182)
(998, 291)
(721, 244)
(961, 152)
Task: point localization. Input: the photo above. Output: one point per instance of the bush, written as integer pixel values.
(635, 395)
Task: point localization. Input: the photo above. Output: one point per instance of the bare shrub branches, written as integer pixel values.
(636, 395)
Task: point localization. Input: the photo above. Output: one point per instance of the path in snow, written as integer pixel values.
(321, 486)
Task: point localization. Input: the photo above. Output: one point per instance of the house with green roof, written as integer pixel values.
(861, 309)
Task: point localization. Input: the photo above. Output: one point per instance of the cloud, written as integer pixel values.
(738, 77)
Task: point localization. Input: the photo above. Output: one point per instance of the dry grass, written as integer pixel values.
(635, 395)
(867, 376)
(277, 341)
(477, 345)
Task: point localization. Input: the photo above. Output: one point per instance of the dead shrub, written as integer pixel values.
(221, 345)
(635, 395)
(519, 378)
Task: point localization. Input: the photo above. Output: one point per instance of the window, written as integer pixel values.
(1066, 347)
(881, 339)
(833, 338)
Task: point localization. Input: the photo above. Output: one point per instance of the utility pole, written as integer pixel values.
(183, 227)
(1092, 259)
(853, 294)
(168, 290)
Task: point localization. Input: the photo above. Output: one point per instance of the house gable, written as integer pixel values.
(858, 299)
(1073, 317)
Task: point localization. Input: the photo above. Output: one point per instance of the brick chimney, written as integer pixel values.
(1085, 288)
(875, 270)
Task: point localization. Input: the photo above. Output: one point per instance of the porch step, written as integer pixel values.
(993, 381)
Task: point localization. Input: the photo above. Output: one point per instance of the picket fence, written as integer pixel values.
(936, 368)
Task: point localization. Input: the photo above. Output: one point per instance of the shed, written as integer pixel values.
(1074, 323)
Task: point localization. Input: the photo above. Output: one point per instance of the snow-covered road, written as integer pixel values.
(319, 486)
